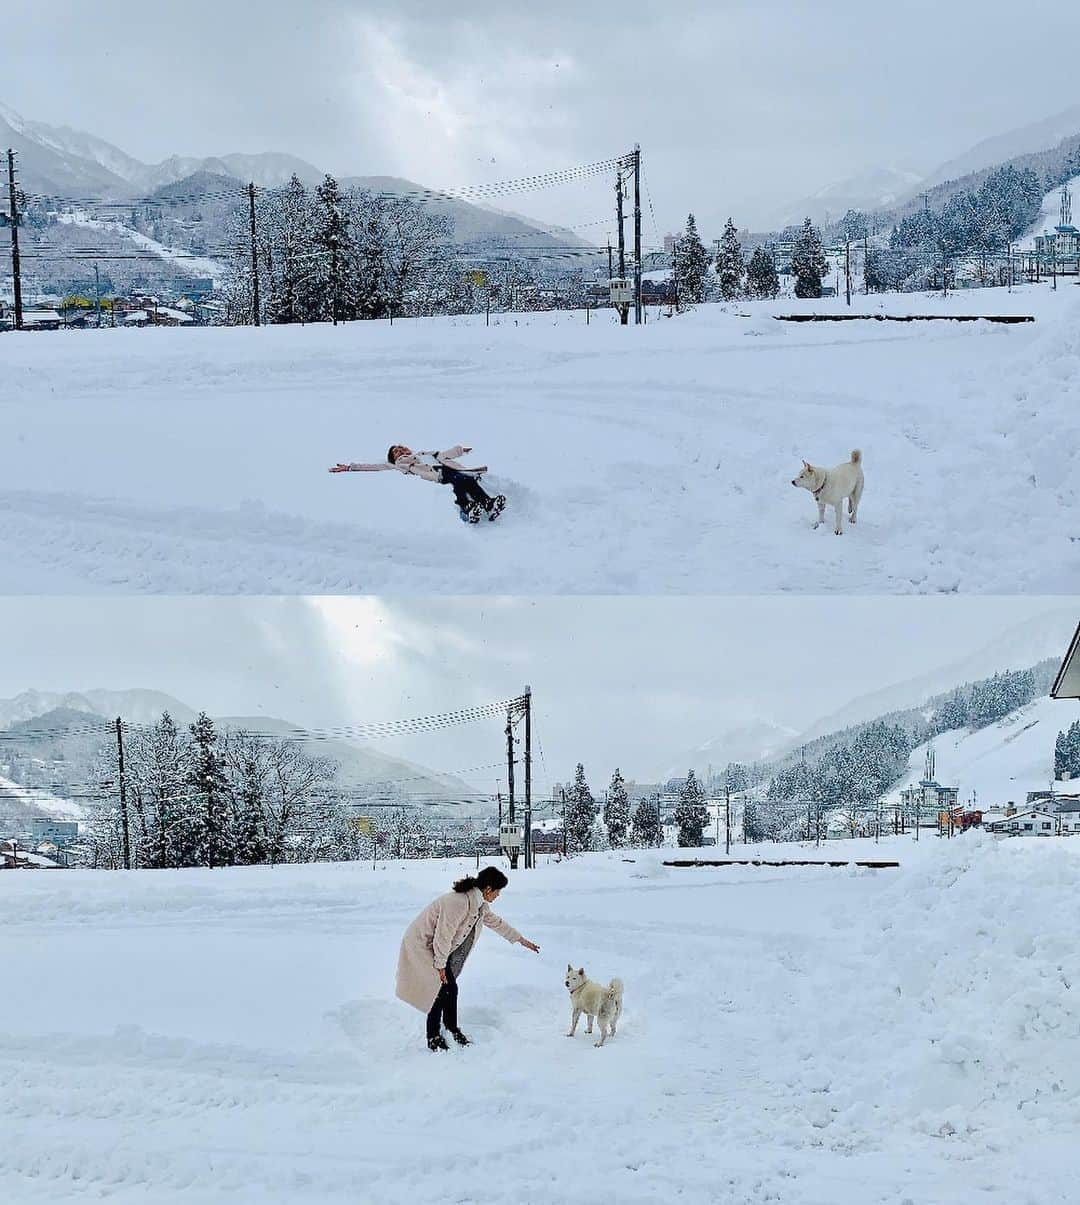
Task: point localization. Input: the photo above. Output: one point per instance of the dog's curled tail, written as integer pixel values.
(614, 989)
(856, 457)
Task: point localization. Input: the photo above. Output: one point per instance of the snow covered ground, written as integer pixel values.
(635, 460)
(800, 1036)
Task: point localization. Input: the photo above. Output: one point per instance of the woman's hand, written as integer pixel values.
(441, 974)
(529, 946)
(341, 468)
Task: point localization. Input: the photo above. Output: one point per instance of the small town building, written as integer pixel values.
(1034, 822)
(929, 797)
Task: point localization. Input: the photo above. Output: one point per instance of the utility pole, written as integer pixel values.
(624, 309)
(16, 269)
(97, 293)
(564, 821)
(637, 234)
(610, 269)
(254, 257)
(510, 779)
(529, 860)
(847, 269)
(727, 819)
(123, 793)
(865, 264)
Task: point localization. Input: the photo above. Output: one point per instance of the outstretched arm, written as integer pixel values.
(508, 931)
(360, 468)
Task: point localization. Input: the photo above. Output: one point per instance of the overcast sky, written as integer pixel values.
(738, 105)
(635, 682)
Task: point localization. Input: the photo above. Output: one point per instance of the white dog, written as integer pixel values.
(594, 1000)
(831, 486)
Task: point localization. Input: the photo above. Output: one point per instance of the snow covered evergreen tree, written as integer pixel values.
(1067, 752)
(581, 813)
(647, 831)
(730, 265)
(617, 811)
(808, 262)
(332, 238)
(691, 814)
(206, 771)
(691, 264)
(291, 234)
(762, 280)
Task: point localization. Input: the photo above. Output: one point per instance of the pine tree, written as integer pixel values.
(332, 237)
(762, 280)
(691, 814)
(289, 296)
(1067, 752)
(647, 830)
(207, 777)
(581, 813)
(691, 263)
(617, 811)
(730, 265)
(808, 262)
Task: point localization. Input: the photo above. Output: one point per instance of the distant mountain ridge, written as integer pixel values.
(35, 713)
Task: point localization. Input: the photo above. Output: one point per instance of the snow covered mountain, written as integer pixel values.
(756, 740)
(998, 764)
(1017, 647)
(359, 765)
(1025, 140)
(877, 188)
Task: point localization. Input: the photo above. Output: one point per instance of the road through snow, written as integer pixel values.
(655, 460)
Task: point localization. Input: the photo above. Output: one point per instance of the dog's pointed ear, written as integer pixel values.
(581, 970)
(806, 464)
(569, 967)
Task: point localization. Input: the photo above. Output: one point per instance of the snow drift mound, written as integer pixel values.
(977, 1009)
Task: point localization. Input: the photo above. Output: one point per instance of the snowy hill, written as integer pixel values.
(1025, 140)
(44, 717)
(1017, 647)
(877, 188)
(757, 740)
(999, 763)
(1050, 213)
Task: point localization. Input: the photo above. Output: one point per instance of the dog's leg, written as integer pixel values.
(855, 499)
(820, 516)
(588, 1022)
(838, 510)
(573, 1022)
(603, 1032)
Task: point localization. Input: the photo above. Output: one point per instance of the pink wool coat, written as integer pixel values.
(440, 928)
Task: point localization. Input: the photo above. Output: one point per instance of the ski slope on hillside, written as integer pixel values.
(654, 460)
(1001, 762)
(790, 1036)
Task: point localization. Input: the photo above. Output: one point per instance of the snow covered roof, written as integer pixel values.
(176, 315)
(1067, 683)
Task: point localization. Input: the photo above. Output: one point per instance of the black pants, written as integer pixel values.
(444, 1010)
(466, 488)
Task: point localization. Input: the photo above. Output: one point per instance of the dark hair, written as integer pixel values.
(489, 878)
(390, 454)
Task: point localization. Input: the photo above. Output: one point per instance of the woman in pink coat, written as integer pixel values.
(435, 947)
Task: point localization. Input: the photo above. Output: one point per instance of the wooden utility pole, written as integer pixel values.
(530, 860)
(623, 308)
(16, 268)
(847, 269)
(123, 793)
(510, 779)
(637, 234)
(97, 293)
(254, 257)
(727, 818)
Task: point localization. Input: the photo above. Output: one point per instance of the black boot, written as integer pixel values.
(437, 1043)
(459, 1037)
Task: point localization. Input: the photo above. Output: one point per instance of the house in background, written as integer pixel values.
(1035, 822)
(929, 797)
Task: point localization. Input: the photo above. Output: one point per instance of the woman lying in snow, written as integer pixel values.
(436, 944)
(471, 499)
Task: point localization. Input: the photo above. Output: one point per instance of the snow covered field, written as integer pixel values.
(654, 460)
(799, 1036)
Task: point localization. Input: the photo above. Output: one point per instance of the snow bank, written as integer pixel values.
(803, 1036)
